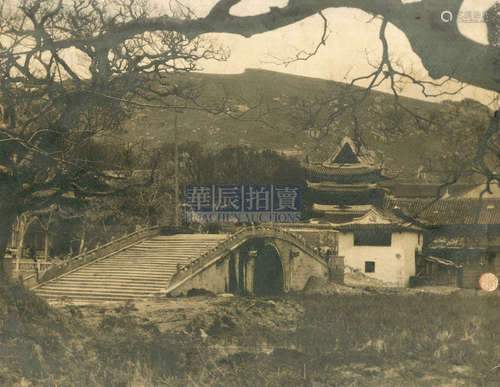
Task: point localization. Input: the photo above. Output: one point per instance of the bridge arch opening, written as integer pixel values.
(268, 272)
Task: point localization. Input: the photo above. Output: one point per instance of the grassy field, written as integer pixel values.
(379, 339)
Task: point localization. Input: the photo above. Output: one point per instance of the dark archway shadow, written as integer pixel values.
(268, 272)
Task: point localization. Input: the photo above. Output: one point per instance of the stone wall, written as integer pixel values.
(220, 276)
(214, 278)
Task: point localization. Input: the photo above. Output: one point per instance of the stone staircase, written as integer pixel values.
(133, 273)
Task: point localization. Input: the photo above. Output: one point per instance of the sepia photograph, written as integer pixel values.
(249, 193)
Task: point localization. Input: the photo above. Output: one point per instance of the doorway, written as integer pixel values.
(268, 272)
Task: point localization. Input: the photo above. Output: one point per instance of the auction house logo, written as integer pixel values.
(248, 203)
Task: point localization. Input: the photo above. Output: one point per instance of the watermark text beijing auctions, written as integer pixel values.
(247, 203)
(464, 16)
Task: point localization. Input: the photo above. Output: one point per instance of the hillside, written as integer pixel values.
(277, 97)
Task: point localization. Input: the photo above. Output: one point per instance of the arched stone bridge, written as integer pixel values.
(259, 260)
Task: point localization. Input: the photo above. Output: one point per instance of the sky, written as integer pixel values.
(352, 43)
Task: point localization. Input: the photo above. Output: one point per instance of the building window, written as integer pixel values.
(369, 267)
(372, 238)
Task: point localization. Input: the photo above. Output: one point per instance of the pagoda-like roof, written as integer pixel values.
(350, 163)
(344, 170)
(331, 186)
(349, 153)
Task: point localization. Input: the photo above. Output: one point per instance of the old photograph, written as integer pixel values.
(249, 193)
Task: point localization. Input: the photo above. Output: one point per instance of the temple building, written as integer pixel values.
(400, 233)
(381, 243)
(346, 185)
(462, 236)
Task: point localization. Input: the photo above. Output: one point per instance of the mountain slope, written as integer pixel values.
(278, 99)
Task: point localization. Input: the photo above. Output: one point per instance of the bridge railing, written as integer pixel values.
(113, 246)
(29, 265)
(241, 235)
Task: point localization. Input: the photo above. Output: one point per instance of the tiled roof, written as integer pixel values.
(329, 186)
(355, 209)
(451, 211)
(372, 218)
(463, 211)
(411, 207)
(413, 190)
(320, 169)
(336, 218)
(457, 242)
(425, 191)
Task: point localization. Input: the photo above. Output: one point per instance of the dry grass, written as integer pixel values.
(379, 339)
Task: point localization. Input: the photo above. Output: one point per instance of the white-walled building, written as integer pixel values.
(380, 246)
(347, 197)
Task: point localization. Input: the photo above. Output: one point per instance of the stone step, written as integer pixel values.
(110, 287)
(190, 236)
(117, 277)
(122, 270)
(149, 252)
(162, 245)
(112, 281)
(92, 297)
(142, 260)
(165, 268)
(134, 273)
(120, 276)
(120, 259)
(132, 264)
(107, 270)
(99, 291)
(160, 266)
(163, 253)
(72, 291)
(159, 256)
(94, 300)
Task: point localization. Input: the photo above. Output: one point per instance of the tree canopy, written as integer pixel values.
(52, 107)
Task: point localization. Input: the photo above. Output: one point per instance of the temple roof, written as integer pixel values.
(462, 211)
(349, 153)
(361, 216)
(450, 211)
(444, 242)
(329, 186)
(336, 214)
(344, 170)
(346, 155)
